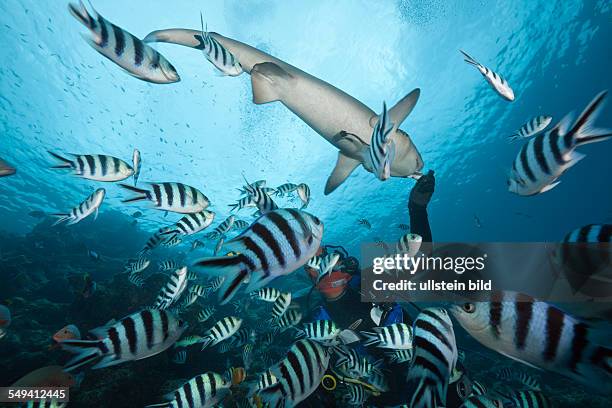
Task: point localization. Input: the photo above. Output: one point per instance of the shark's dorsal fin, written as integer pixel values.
(344, 167)
(400, 111)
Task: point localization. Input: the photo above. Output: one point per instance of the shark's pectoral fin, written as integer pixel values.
(400, 111)
(344, 167)
(349, 142)
(266, 80)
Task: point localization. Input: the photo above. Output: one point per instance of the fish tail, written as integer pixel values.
(142, 194)
(66, 164)
(468, 58)
(62, 218)
(425, 395)
(80, 13)
(583, 132)
(370, 338)
(88, 351)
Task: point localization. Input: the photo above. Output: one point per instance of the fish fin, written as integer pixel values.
(550, 186)
(107, 361)
(80, 13)
(469, 59)
(582, 130)
(370, 338)
(62, 217)
(66, 164)
(344, 167)
(265, 80)
(142, 194)
(87, 351)
(400, 111)
(348, 336)
(355, 324)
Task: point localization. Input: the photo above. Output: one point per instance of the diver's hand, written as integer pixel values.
(422, 191)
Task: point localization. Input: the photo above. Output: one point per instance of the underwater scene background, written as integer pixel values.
(57, 94)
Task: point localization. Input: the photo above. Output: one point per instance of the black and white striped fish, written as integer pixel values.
(202, 391)
(136, 279)
(356, 395)
(244, 202)
(153, 242)
(168, 265)
(240, 225)
(482, 401)
(303, 192)
(136, 163)
(192, 223)
(540, 335)
(188, 300)
(533, 127)
(124, 49)
(327, 264)
(409, 244)
(136, 266)
(381, 153)
(174, 197)
(299, 374)
(242, 337)
(219, 245)
(225, 226)
(545, 157)
(98, 167)
(205, 314)
(214, 284)
(197, 289)
(180, 357)
(266, 294)
(285, 189)
(478, 388)
(266, 380)
(46, 403)
(137, 336)
(263, 201)
(248, 187)
(400, 356)
(275, 244)
(173, 289)
(192, 276)
(354, 364)
(172, 241)
(435, 357)
(496, 81)
(320, 330)
(289, 319)
(222, 330)
(281, 304)
(397, 336)
(217, 54)
(526, 399)
(89, 206)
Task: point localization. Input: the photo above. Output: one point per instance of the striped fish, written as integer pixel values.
(299, 374)
(136, 279)
(214, 284)
(281, 304)
(397, 336)
(153, 242)
(197, 290)
(409, 244)
(285, 189)
(168, 265)
(188, 300)
(137, 336)
(192, 223)
(289, 319)
(356, 395)
(382, 148)
(197, 244)
(478, 388)
(266, 380)
(242, 203)
(192, 276)
(236, 375)
(327, 264)
(173, 289)
(275, 244)
(98, 167)
(225, 226)
(241, 337)
(528, 399)
(496, 81)
(528, 381)
(263, 201)
(269, 337)
(174, 197)
(533, 127)
(136, 163)
(266, 294)
(89, 206)
(247, 188)
(354, 364)
(180, 357)
(482, 401)
(124, 49)
(217, 54)
(47, 403)
(219, 245)
(545, 157)
(400, 356)
(202, 391)
(303, 192)
(172, 241)
(137, 265)
(320, 330)
(222, 330)
(247, 355)
(540, 335)
(205, 314)
(240, 225)
(434, 358)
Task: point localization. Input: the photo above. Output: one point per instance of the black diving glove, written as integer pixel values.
(421, 193)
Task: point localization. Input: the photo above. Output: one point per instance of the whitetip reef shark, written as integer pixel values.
(339, 118)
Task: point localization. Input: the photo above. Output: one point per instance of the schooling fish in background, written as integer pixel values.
(84, 210)
(496, 81)
(540, 335)
(299, 374)
(382, 149)
(409, 244)
(525, 399)
(136, 266)
(397, 336)
(192, 223)
(276, 244)
(533, 127)
(175, 197)
(545, 157)
(173, 289)
(222, 330)
(240, 225)
(153, 242)
(266, 294)
(205, 314)
(171, 242)
(248, 187)
(303, 192)
(364, 222)
(281, 304)
(137, 163)
(133, 55)
(137, 336)
(136, 279)
(285, 189)
(434, 359)
(291, 318)
(203, 391)
(98, 167)
(6, 169)
(169, 265)
(5, 320)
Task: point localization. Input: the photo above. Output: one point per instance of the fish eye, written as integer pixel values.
(469, 307)
(317, 221)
